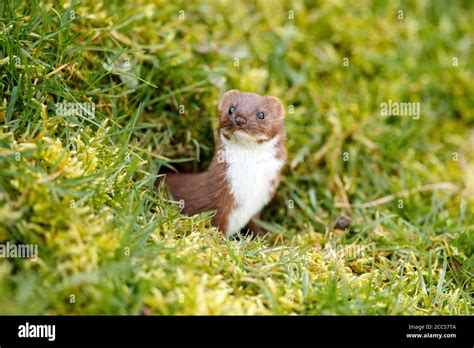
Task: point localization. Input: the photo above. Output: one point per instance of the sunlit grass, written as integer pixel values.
(81, 188)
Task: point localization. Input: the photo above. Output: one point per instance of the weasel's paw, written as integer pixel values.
(255, 229)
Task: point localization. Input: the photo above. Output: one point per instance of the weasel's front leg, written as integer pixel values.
(254, 228)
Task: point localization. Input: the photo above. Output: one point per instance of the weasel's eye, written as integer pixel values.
(260, 115)
(231, 110)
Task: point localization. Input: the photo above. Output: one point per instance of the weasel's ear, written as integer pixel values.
(277, 105)
(228, 95)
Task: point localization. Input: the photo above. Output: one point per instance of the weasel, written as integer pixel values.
(245, 169)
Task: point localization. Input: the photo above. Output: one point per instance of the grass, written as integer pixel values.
(81, 187)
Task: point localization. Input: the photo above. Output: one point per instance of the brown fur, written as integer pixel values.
(204, 191)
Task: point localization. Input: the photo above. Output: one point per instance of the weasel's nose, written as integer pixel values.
(240, 121)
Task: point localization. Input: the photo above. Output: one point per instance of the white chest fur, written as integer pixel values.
(251, 169)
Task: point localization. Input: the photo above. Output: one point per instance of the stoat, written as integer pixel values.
(245, 170)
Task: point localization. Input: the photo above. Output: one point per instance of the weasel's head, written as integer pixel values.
(248, 117)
